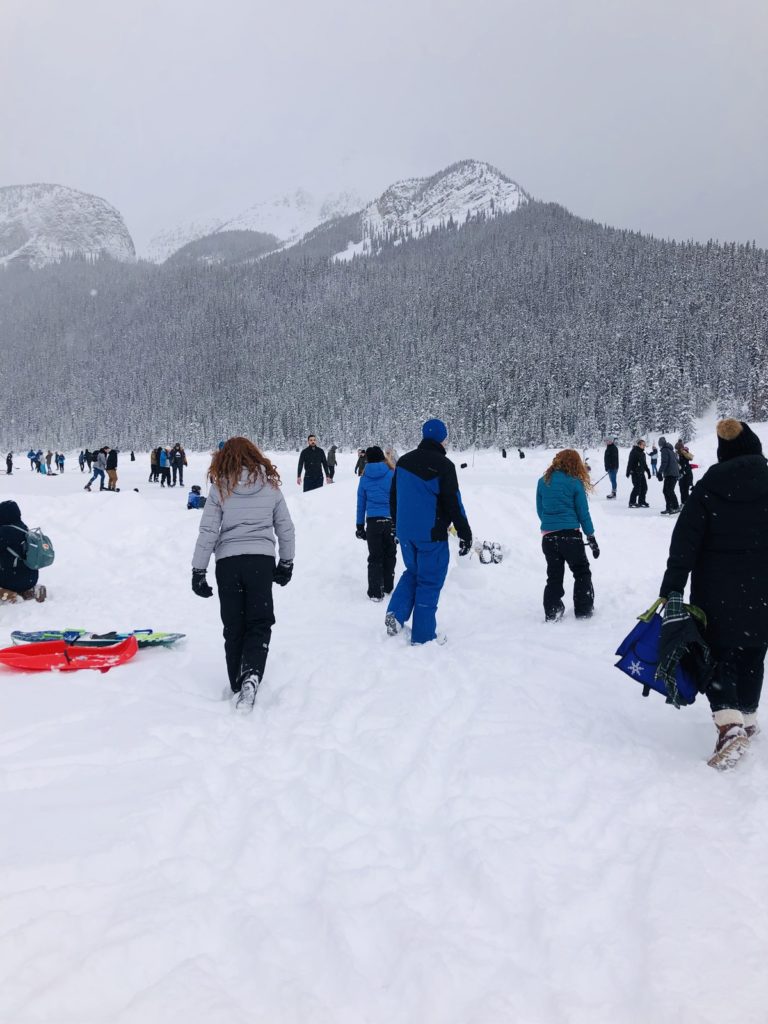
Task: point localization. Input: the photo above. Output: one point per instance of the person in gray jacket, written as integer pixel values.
(99, 469)
(244, 511)
(669, 471)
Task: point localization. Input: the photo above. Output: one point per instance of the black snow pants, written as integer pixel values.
(311, 483)
(382, 555)
(178, 470)
(561, 547)
(686, 483)
(245, 596)
(669, 493)
(639, 489)
(738, 678)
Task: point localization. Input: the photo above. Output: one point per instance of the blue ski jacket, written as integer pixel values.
(425, 497)
(562, 504)
(373, 491)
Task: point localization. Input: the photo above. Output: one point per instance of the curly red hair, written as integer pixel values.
(240, 454)
(569, 461)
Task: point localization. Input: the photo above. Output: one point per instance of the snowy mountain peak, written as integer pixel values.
(415, 206)
(463, 190)
(40, 224)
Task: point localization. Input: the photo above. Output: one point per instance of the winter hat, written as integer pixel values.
(662, 440)
(195, 488)
(434, 430)
(374, 454)
(9, 513)
(735, 438)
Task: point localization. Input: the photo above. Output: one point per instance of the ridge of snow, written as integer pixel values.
(41, 223)
(415, 206)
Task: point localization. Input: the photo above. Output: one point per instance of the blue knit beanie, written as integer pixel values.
(435, 430)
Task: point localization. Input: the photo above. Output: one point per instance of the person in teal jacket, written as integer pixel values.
(374, 524)
(563, 510)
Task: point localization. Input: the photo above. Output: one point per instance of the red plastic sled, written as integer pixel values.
(59, 656)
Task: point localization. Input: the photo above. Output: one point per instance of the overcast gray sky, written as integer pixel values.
(650, 115)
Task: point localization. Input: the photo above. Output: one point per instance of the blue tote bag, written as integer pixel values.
(638, 656)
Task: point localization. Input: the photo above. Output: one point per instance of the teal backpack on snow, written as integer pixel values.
(40, 553)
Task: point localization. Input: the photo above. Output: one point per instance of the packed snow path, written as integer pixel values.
(498, 831)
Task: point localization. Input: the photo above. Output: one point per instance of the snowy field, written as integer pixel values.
(498, 831)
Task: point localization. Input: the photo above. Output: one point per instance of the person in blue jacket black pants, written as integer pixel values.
(563, 510)
(373, 492)
(424, 501)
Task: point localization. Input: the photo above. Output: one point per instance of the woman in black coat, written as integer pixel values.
(721, 540)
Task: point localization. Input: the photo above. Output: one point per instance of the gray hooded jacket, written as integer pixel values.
(245, 523)
(669, 464)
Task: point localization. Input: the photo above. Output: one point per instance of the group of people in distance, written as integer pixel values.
(676, 469)
(166, 465)
(47, 463)
(103, 463)
(720, 541)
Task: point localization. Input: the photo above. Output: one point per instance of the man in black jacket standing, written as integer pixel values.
(424, 501)
(637, 468)
(611, 463)
(313, 462)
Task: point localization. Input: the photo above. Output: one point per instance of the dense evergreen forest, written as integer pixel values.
(532, 327)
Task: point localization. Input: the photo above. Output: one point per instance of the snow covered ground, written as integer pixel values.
(498, 831)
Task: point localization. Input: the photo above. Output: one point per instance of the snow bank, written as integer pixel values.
(499, 830)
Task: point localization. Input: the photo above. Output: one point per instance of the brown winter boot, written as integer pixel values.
(732, 739)
(8, 596)
(751, 725)
(38, 593)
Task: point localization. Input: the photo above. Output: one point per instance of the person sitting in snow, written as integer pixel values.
(17, 580)
(561, 504)
(195, 498)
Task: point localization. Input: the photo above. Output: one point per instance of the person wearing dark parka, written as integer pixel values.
(721, 541)
(17, 580)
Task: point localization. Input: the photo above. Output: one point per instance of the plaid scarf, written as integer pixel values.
(682, 642)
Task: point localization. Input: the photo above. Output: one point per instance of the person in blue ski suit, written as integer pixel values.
(378, 530)
(424, 501)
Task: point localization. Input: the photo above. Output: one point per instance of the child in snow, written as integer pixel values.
(720, 540)
(244, 511)
(17, 580)
(378, 530)
(561, 504)
(195, 498)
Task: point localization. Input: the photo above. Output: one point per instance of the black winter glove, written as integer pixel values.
(593, 545)
(659, 477)
(282, 572)
(649, 473)
(465, 546)
(360, 532)
(200, 584)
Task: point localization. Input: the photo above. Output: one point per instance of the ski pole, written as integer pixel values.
(601, 478)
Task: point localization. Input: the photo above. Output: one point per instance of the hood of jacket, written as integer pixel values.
(10, 513)
(244, 486)
(376, 470)
(742, 479)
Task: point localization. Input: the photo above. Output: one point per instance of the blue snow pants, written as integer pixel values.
(418, 589)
